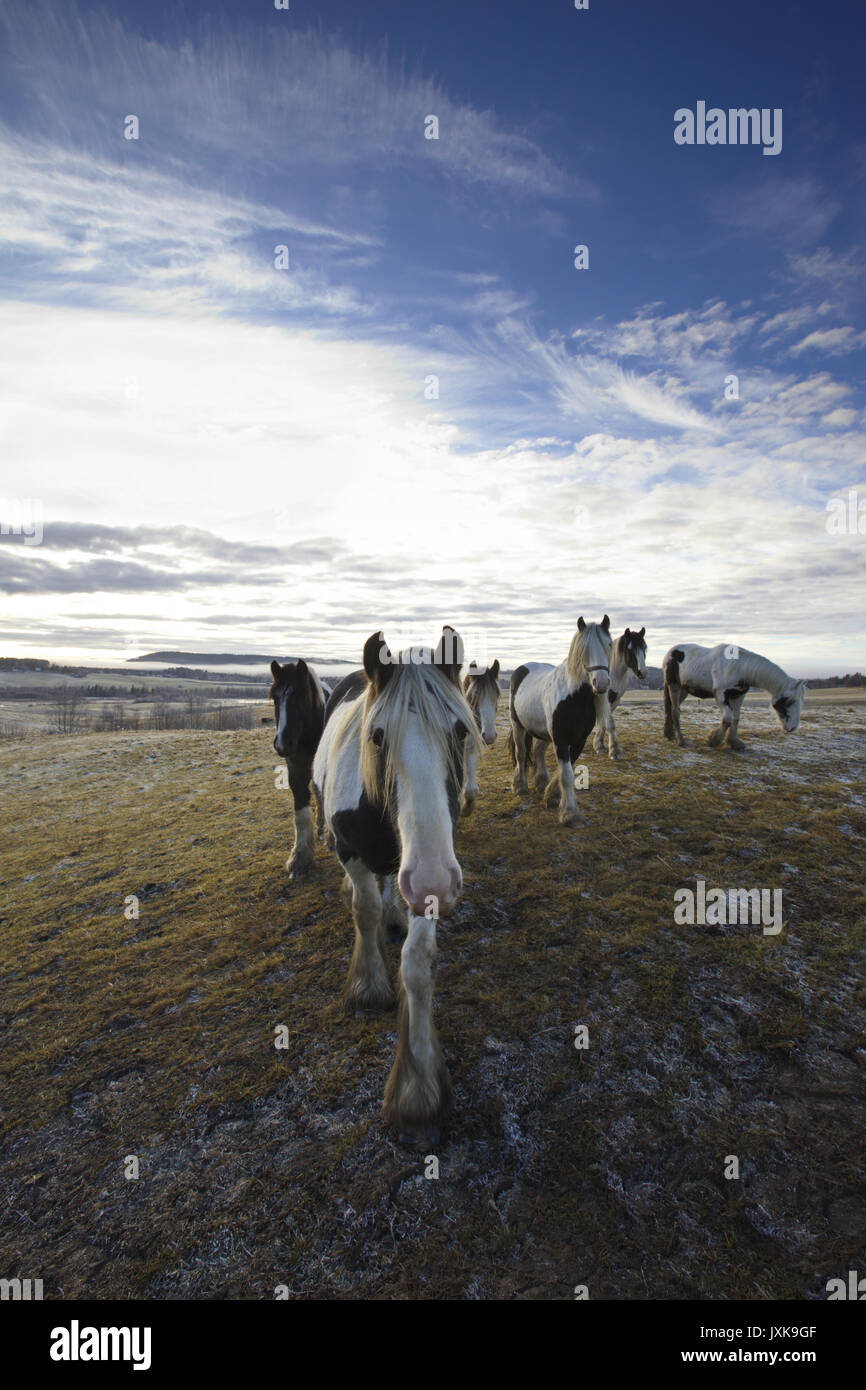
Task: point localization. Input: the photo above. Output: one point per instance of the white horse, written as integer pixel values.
(388, 770)
(629, 654)
(481, 689)
(556, 704)
(726, 673)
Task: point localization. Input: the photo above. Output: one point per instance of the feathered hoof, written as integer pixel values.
(467, 805)
(416, 1106)
(737, 745)
(370, 997)
(521, 788)
(552, 795)
(567, 817)
(299, 865)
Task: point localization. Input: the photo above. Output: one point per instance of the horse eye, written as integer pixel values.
(378, 737)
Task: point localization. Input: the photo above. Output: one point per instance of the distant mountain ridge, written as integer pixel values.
(233, 658)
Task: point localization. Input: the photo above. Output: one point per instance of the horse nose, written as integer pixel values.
(432, 893)
(600, 682)
(489, 738)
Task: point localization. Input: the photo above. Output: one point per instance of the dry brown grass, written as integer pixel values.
(260, 1167)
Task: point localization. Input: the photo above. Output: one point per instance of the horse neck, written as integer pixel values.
(765, 674)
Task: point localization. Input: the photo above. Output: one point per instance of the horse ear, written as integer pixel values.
(378, 662)
(495, 669)
(627, 633)
(449, 653)
(580, 624)
(642, 632)
(605, 622)
(276, 670)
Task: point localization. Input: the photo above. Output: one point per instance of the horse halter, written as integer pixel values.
(599, 668)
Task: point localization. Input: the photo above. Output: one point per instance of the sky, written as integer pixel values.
(421, 410)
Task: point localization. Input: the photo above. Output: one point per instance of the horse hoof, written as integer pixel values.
(424, 1140)
(299, 867)
(569, 818)
(368, 1005)
(467, 806)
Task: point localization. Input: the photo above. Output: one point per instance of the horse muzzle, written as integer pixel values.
(432, 893)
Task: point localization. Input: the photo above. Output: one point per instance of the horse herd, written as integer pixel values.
(392, 754)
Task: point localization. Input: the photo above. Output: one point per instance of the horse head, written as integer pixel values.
(415, 727)
(592, 649)
(789, 705)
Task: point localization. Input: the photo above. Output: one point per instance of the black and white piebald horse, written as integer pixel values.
(299, 715)
(481, 688)
(726, 673)
(388, 770)
(629, 654)
(557, 704)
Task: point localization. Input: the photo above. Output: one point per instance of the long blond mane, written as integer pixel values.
(419, 691)
(577, 660)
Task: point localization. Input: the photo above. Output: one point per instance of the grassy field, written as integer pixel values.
(260, 1167)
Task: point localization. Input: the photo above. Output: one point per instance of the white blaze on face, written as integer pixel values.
(427, 864)
(487, 714)
(282, 703)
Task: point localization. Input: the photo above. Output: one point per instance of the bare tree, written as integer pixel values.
(67, 710)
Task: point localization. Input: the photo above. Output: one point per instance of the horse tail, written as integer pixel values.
(671, 668)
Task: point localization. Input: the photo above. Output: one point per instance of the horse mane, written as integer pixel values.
(413, 689)
(576, 661)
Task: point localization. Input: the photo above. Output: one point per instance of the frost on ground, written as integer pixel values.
(153, 1035)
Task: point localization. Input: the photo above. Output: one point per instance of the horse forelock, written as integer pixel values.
(413, 691)
(478, 683)
(585, 644)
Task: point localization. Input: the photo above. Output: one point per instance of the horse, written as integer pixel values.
(299, 714)
(557, 704)
(726, 673)
(388, 771)
(629, 654)
(481, 688)
(349, 688)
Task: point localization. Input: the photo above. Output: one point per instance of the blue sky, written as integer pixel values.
(227, 455)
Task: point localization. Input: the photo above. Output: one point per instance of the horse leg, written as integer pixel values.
(302, 851)
(717, 737)
(470, 783)
(394, 910)
(367, 984)
(518, 781)
(568, 812)
(418, 1093)
(733, 740)
(600, 723)
(608, 727)
(539, 761)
